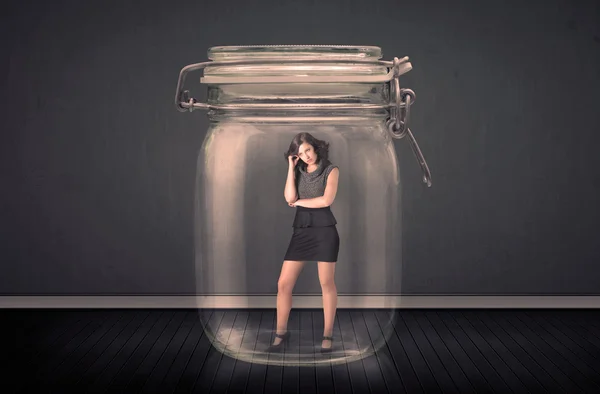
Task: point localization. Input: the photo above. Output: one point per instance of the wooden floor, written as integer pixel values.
(431, 351)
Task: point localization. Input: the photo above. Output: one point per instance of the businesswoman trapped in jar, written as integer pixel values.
(311, 187)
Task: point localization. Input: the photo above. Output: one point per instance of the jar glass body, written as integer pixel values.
(243, 226)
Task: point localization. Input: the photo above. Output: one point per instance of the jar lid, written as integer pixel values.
(258, 64)
(220, 53)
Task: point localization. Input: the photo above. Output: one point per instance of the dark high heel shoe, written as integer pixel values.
(284, 339)
(327, 349)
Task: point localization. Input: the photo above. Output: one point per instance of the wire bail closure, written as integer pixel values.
(399, 109)
(398, 123)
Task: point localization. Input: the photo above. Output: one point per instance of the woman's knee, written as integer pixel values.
(327, 283)
(285, 285)
(326, 275)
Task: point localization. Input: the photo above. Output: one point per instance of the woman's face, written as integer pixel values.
(306, 152)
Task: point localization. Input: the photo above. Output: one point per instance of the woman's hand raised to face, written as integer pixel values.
(293, 160)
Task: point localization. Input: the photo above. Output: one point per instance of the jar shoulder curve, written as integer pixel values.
(356, 150)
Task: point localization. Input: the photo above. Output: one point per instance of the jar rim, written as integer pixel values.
(260, 64)
(341, 52)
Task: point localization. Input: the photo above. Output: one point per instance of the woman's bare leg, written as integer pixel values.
(326, 277)
(290, 270)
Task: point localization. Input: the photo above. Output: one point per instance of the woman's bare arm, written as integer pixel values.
(290, 193)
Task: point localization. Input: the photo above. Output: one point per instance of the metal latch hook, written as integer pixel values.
(398, 122)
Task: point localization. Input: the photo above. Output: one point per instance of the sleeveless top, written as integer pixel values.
(312, 185)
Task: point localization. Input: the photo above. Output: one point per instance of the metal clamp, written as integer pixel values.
(183, 101)
(398, 124)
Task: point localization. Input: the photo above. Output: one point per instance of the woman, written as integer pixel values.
(311, 186)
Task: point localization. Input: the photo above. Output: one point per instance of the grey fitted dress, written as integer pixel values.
(315, 236)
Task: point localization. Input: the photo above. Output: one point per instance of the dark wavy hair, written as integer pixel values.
(321, 148)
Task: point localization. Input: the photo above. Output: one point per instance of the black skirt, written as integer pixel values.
(315, 236)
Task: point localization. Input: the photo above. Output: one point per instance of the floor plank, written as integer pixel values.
(520, 353)
(399, 356)
(440, 372)
(514, 325)
(241, 369)
(389, 373)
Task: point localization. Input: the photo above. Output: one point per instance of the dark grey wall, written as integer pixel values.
(97, 167)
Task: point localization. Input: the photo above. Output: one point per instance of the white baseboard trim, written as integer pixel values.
(299, 301)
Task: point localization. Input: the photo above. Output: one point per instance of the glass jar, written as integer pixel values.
(259, 98)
